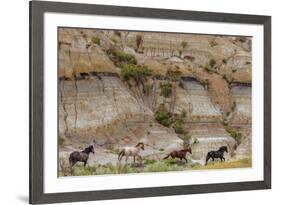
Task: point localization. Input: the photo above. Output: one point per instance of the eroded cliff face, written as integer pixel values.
(209, 79)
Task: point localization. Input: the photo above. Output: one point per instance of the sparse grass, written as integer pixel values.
(242, 163)
(151, 165)
(96, 40)
(166, 89)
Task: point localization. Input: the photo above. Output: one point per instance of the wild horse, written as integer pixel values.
(216, 154)
(181, 154)
(131, 151)
(82, 156)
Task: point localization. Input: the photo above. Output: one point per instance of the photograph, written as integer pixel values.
(134, 102)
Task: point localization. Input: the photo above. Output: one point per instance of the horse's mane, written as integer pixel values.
(223, 148)
(87, 149)
(140, 143)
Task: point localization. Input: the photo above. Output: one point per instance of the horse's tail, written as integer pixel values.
(121, 154)
(70, 159)
(207, 158)
(166, 156)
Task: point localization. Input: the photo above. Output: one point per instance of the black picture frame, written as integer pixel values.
(37, 10)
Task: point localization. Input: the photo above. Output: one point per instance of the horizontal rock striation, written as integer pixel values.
(209, 78)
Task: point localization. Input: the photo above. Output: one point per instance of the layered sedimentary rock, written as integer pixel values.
(210, 79)
(97, 106)
(241, 117)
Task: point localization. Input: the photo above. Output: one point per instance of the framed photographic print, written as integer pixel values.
(138, 102)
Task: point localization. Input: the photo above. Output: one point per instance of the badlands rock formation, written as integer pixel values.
(209, 79)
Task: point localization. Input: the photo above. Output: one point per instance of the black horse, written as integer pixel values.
(216, 154)
(83, 156)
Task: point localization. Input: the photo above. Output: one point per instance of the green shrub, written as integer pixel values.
(178, 126)
(96, 40)
(134, 71)
(164, 118)
(120, 58)
(124, 57)
(166, 89)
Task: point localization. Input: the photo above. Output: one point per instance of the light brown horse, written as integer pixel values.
(131, 151)
(181, 154)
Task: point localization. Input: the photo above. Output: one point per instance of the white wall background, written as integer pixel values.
(14, 80)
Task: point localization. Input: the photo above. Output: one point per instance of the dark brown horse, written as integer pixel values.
(83, 156)
(181, 154)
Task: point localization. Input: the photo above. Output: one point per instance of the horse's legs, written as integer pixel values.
(126, 158)
(73, 163)
(140, 158)
(121, 157)
(85, 163)
(223, 158)
(185, 159)
(213, 159)
(207, 159)
(134, 159)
